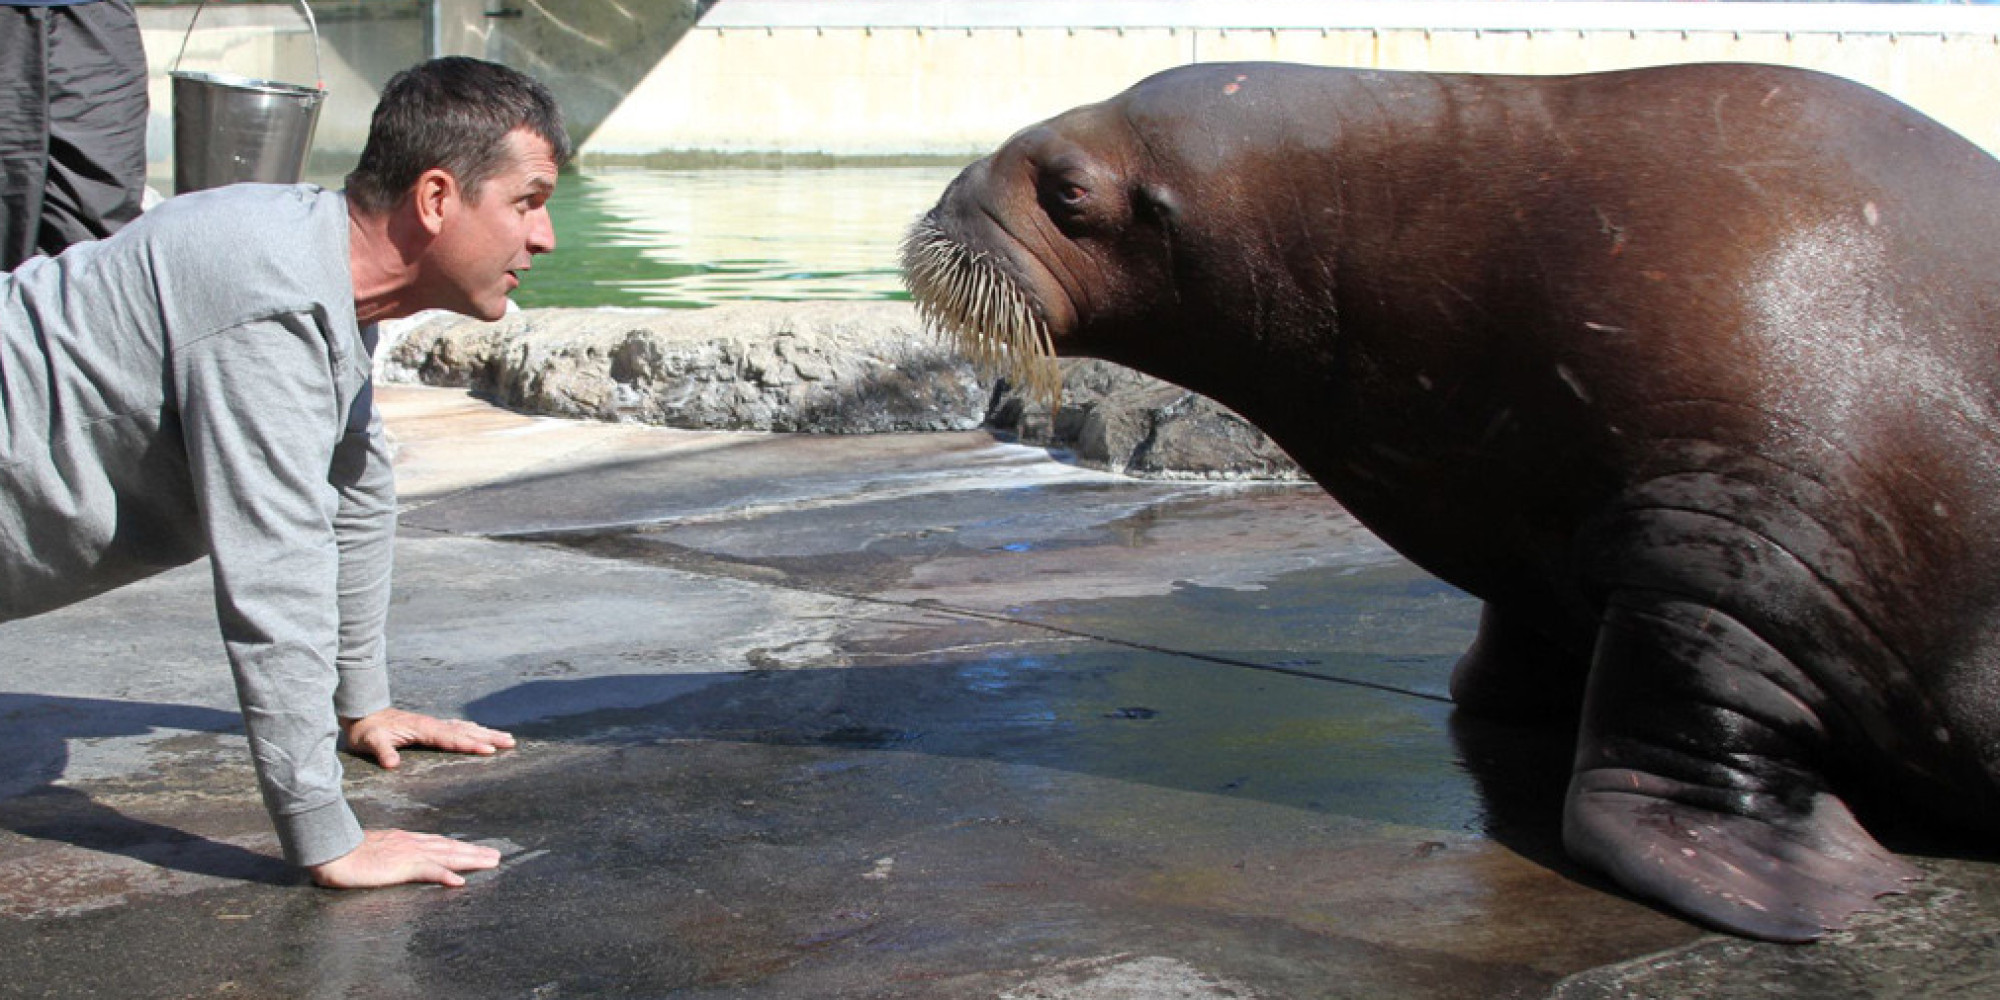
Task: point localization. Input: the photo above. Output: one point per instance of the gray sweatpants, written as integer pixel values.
(72, 125)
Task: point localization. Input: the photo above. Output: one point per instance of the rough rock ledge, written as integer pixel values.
(817, 367)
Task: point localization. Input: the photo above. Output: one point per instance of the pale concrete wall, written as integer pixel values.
(864, 78)
(954, 78)
(358, 49)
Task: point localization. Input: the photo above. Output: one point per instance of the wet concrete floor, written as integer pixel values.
(916, 716)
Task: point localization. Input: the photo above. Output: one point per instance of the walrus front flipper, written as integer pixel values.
(1515, 672)
(1697, 779)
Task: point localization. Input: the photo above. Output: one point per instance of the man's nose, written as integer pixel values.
(541, 232)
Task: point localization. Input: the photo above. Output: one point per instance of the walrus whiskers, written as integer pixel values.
(967, 297)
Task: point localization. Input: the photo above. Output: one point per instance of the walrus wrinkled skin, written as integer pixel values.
(1688, 373)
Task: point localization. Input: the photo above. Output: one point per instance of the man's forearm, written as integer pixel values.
(365, 529)
(262, 419)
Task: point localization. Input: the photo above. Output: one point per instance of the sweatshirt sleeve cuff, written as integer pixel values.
(362, 692)
(317, 836)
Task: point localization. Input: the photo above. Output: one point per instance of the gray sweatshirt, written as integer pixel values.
(197, 385)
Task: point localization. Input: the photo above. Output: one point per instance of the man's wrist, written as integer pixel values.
(317, 836)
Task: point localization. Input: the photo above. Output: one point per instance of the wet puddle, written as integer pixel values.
(1323, 690)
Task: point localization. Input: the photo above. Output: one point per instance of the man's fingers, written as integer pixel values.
(443, 858)
(381, 734)
(376, 742)
(460, 736)
(499, 739)
(453, 853)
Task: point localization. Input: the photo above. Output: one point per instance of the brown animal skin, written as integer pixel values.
(1688, 373)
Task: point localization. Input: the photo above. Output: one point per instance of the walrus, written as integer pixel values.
(1688, 373)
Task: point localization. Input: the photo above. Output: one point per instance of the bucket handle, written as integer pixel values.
(319, 75)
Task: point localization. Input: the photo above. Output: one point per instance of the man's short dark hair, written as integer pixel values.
(455, 113)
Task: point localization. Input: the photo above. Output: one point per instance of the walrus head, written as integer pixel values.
(1063, 240)
(1186, 227)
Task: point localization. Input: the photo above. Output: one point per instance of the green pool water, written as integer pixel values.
(696, 238)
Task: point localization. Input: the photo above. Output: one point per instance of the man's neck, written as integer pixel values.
(382, 263)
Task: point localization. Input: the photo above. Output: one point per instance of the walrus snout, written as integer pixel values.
(972, 295)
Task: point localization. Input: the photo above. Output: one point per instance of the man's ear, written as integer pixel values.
(434, 195)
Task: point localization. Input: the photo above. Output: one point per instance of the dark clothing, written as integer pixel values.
(73, 115)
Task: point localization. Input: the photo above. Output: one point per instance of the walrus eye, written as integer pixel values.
(1065, 194)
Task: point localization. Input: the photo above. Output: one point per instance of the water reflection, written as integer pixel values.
(694, 238)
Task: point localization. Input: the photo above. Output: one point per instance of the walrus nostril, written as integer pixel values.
(966, 296)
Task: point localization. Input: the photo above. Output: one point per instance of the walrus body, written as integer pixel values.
(1689, 373)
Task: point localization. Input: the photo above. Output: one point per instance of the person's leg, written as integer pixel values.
(24, 130)
(97, 123)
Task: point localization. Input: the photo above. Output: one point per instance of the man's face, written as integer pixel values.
(489, 235)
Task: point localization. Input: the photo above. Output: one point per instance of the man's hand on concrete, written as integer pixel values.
(380, 735)
(395, 857)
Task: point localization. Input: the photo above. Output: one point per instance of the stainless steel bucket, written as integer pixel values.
(231, 128)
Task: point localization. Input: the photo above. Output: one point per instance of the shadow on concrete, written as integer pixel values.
(1522, 775)
(1129, 716)
(35, 731)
